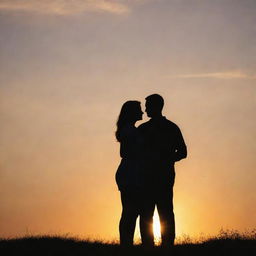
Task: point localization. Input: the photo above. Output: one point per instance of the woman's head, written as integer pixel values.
(129, 114)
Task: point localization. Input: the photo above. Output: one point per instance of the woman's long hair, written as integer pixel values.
(127, 115)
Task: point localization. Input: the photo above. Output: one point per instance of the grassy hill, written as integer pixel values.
(226, 244)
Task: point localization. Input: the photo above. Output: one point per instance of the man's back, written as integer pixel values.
(163, 145)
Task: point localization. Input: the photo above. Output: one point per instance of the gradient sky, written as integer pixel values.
(66, 67)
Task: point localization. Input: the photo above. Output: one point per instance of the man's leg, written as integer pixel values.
(166, 215)
(146, 219)
(127, 222)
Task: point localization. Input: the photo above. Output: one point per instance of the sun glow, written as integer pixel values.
(156, 227)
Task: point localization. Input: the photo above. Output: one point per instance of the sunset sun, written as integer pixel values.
(156, 227)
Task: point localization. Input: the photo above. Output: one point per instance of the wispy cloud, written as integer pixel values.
(65, 7)
(219, 75)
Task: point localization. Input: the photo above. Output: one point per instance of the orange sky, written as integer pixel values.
(66, 71)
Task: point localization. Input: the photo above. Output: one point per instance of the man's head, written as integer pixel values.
(154, 105)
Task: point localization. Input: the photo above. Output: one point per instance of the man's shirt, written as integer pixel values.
(163, 145)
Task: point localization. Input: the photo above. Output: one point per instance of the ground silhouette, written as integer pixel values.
(225, 244)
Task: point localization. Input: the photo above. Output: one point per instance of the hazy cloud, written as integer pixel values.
(219, 75)
(65, 7)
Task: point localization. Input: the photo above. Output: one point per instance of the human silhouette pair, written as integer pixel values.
(145, 176)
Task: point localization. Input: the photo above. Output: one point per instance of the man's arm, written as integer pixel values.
(181, 148)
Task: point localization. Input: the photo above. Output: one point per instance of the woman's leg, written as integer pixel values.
(128, 219)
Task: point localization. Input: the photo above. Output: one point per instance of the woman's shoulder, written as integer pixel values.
(128, 131)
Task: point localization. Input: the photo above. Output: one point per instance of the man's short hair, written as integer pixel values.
(155, 100)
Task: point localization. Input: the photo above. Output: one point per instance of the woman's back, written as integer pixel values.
(127, 173)
(129, 142)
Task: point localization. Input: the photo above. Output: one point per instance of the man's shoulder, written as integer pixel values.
(171, 124)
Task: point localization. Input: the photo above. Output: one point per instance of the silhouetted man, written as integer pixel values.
(163, 146)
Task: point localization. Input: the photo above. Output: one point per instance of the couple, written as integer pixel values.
(145, 176)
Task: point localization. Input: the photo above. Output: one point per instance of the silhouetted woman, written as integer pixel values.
(127, 172)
